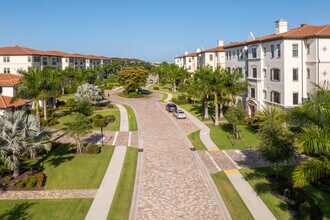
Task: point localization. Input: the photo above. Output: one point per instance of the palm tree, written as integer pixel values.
(19, 136)
(313, 118)
(272, 114)
(200, 85)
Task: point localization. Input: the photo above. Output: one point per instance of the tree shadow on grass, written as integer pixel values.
(92, 139)
(198, 110)
(19, 211)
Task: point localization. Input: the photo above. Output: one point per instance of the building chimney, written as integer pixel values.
(198, 50)
(186, 53)
(281, 26)
(220, 43)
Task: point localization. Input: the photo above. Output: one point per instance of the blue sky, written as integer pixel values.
(151, 30)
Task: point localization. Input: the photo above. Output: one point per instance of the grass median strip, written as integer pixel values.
(70, 209)
(131, 119)
(233, 201)
(121, 203)
(196, 141)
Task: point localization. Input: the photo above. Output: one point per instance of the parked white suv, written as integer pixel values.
(179, 114)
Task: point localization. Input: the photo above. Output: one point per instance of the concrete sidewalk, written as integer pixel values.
(104, 196)
(123, 118)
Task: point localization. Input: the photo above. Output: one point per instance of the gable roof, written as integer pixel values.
(5, 102)
(19, 50)
(215, 49)
(187, 55)
(7, 79)
(303, 32)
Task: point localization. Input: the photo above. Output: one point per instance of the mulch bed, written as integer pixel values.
(8, 185)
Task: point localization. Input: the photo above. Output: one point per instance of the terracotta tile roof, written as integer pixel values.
(215, 49)
(187, 55)
(58, 53)
(7, 79)
(19, 50)
(302, 32)
(5, 102)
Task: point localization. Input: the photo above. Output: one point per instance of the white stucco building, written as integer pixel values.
(281, 67)
(187, 61)
(213, 57)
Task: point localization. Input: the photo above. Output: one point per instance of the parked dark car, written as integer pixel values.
(170, 107)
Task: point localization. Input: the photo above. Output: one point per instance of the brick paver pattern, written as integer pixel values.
(172, 184)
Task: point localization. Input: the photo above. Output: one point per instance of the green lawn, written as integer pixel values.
(121, 203)
(65, 97)
(70, 209)
(222, 136)
(63, 116)
(233, 201)
(75, 171)
(196, 141)
(164, 97)
(197, 110)
(131, 118)
(276, 205)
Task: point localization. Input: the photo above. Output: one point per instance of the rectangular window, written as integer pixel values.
(211, 57)
(66, 60)
(272, 50)
(295, 98)
(44, 61)
(189, 60)
(29, 59)
(0, 89)
(71, 60)
(254, 73)
(275, 75)
(254, 52)
(278, 50)
(230, 55)
(58, 59)
(294, 50)
(6, 59)
(253, 92)
(308, 70)
(295, 74)
(276, 97)
(307, 49)
(238, 55)
(6, 70)
(226, 55)
(264, 51)
(265, 94)
(241, 54)
(54, 61)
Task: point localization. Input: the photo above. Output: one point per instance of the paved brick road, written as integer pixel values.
(172, 183)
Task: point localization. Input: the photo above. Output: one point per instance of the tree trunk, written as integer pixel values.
(78, 145)
(38, 114)
(206, 110)
(216, 106)
(63, 90)
(174, 86)
(221, 107)
(54, 102)
(45, 109)
(16, 172)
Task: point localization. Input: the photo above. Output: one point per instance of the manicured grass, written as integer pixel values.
(131, 118)
(276, 205)
(197, 110)
(233, 201)
(75, 171)
(65, 97)
(70, 209)
(63, 116)
(122, 200)
(196, 141)
(164, 97)
(112, 126)
(222, 136)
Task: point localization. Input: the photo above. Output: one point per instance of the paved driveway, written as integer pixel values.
(172, 185)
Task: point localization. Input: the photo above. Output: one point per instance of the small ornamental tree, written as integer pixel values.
(78, 128)
(132, 78)
(276, 143)
(236, 116)
(89, 92)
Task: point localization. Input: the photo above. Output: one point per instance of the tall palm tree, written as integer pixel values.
(200, 84)
(19, 136)
(313, 118)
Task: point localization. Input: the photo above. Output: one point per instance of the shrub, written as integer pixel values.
(93, 149)
(182, 97)
(20, 185)
(110, 119)
(110, 106)
(49, 122)
(40, 179)
(71, 103)
(180, 102)
(84, 107)
(95, 108)
(156, 87)
(60, 103)
(99, 122)
(32, 182)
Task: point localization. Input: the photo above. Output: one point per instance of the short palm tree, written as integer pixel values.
(312, 119)
(20, 136)
(272, 114)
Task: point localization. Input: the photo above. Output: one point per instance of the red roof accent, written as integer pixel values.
(188, 55)
(7, 79)
(5, 102)
(302, 32)
(215, 49)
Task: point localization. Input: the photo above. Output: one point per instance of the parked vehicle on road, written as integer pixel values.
(170, 107)
(179, 114)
